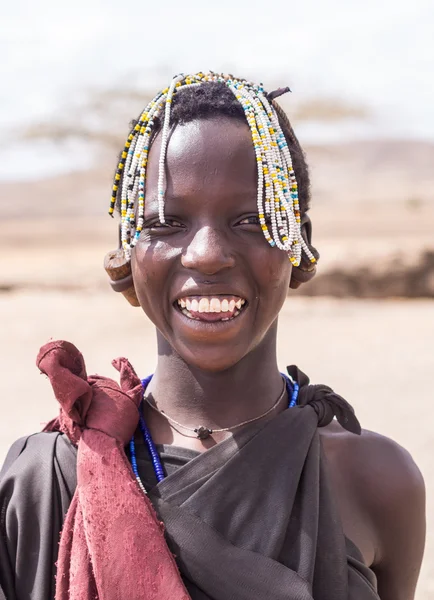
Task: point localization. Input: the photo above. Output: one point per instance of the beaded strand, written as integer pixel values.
(277, 194)
(292, 389)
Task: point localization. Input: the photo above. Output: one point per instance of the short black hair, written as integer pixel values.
(215, 99)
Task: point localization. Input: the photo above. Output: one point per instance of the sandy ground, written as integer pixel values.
(377, 354)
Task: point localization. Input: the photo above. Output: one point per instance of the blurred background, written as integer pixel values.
(72, 77)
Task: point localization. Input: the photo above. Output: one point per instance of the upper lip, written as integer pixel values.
(210, 291)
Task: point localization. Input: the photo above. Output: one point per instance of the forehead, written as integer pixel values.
(212, 154)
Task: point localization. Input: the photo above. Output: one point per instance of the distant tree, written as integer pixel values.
(103, 116)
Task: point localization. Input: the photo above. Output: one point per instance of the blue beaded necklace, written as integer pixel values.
(292, 389)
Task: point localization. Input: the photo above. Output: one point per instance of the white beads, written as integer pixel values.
(141, 486)
(164, 139)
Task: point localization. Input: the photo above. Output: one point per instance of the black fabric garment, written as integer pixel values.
(37, 483)
(253, 518)
(173, 457)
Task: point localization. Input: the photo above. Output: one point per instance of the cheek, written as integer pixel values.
(278, 275)
(273, 272)
(151, 265)
(275, 269)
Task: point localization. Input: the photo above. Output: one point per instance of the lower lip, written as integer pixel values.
(210, 319)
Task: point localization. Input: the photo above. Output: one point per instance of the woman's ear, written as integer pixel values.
(306, 270)
(121, 279)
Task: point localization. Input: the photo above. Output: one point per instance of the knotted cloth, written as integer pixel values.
(112, 544)
(326, 403)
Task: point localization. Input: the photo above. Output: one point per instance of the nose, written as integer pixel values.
(208, 252)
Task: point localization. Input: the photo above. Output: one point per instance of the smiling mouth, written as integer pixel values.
(211, 308)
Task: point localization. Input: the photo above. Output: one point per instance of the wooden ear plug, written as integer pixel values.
(118, 269)
(299, 276)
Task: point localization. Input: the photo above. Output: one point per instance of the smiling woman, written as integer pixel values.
(260, 493)
(211, 250)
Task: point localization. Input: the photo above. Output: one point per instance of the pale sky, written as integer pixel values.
(378, 53)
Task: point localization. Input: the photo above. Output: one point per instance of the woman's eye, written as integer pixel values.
(252, 220)
(170, 223)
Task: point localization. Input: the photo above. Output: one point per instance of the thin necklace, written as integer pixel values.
(203, 432)
(292, 388)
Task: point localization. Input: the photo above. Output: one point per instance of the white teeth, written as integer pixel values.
(214, 305)
(211, 305)
(204, 305)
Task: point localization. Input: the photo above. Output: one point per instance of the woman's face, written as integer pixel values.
(208, 279)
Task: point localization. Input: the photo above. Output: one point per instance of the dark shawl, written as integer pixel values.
(253, 518)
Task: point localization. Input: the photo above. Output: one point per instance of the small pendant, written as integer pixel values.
(203, 432)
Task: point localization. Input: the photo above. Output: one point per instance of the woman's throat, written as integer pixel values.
(211, 308)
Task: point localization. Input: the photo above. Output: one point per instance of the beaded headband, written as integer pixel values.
(277, 197)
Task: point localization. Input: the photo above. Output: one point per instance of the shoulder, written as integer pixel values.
(376, 464)
(30, 457)
(34, 441)
(371, 452)
(389, 493)
(39, 471)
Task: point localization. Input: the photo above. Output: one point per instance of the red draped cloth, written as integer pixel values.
(112, 545)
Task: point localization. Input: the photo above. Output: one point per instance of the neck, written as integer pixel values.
(216, 400)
